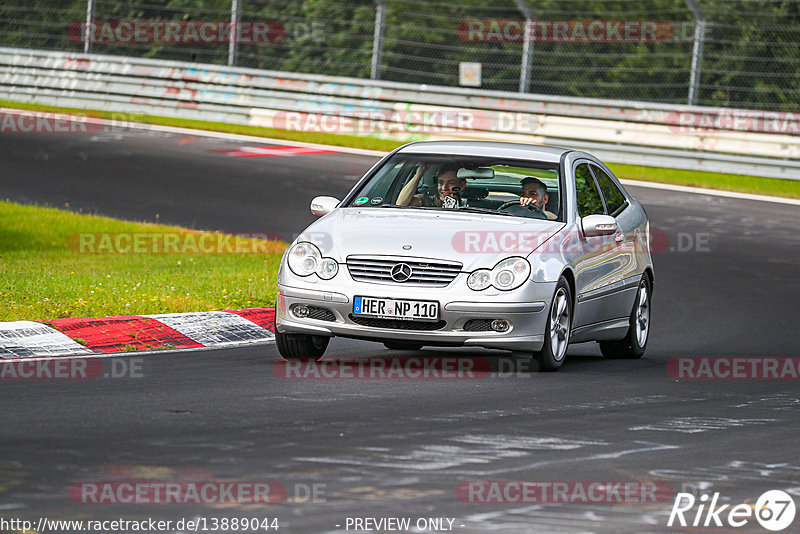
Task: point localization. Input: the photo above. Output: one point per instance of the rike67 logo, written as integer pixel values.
(774, 510)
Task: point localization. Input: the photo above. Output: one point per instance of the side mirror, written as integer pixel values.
(323, 205)
(594, 225)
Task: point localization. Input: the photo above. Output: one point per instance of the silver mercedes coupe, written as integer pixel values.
(473, 244)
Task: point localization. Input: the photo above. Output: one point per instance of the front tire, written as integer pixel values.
(559, 327)
(635, 342)
(301, 346)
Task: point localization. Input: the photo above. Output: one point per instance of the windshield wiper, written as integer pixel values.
(409, 207)
(399, 206)
(483, 210)
(463, 208)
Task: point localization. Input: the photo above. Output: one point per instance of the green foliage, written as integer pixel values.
(751, 56)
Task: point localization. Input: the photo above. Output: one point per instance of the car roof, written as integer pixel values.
(521, 151)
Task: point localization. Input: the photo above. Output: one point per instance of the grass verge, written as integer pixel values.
(56, 263)
(711, 180)
(756, 185)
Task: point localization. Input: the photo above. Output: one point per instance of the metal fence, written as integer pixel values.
(731, 53)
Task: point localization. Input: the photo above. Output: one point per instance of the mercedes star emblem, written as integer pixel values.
(401, 272)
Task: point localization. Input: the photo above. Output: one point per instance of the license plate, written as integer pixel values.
(408, 310)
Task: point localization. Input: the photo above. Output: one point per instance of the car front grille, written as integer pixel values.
(433, 273)
(397, 324)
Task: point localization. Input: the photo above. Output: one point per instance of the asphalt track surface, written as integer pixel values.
(726, 285)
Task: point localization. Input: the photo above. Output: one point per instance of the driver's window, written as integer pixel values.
(589, 201)
(614, 198)
(382, 191)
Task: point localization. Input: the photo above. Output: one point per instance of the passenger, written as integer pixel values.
(446, 178)
(534, 191)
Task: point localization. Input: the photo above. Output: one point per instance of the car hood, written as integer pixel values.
(472, 239)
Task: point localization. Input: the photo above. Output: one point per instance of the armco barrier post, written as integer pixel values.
(527, 47)
(697, 51)
(233, 44)
(87, 31)
(377, 39)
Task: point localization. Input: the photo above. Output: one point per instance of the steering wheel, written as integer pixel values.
(531, 210)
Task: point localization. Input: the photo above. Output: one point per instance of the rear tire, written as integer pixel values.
(301, 346)
(559, 327)
(401, 345)
(635, 342)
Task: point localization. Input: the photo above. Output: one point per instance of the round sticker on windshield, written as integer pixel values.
(376, 200)
(362, 200)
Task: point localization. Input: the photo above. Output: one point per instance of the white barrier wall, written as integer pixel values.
(747, 142)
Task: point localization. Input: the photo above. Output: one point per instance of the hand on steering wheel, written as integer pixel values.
(531, 206)
(531, 211)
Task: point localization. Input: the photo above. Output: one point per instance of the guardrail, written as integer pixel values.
(743, 142)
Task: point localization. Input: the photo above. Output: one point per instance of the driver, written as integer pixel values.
(534, 191)
(447, 179)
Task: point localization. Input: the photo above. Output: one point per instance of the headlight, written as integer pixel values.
(480, 279)
(305, 259)
(327, 268)
(507, 275)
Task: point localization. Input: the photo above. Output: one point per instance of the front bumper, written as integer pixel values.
(524, 309)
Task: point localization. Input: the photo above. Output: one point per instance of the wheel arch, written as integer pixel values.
(648, 272)
(570, 277)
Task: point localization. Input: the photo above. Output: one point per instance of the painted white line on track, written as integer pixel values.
(377, 153)
(255, 139)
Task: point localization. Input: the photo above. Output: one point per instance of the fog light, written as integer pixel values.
(300, 311)
(500, 325)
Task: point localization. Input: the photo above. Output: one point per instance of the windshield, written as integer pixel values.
(488, 185)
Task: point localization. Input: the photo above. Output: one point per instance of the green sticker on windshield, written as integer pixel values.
(362, 200)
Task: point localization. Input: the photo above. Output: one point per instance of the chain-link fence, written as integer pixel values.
(732, 53)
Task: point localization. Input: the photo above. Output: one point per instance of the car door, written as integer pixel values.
(594, 268)
(622, 257)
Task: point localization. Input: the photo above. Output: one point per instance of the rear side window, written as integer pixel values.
(615, 200)
(589, 201)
